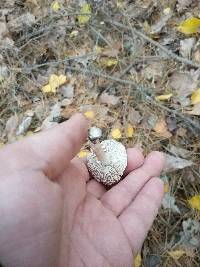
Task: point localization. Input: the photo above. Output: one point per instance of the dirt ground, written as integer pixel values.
(129, 68)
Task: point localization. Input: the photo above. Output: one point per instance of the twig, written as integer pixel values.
(101, 36)
(52, 63)
(161, 47)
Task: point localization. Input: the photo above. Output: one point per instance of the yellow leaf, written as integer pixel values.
(166, 187)
(167, 11)
(83, 154)
(195, 98)
(73, 34)
(190, 26)
(47, 89)
(163, 97)
(89, 114)
(176, 254)
(109, 62)
(98, 49)
(195, 202)
(138, 261)
(85, 9)
(55, 6)
(120, 4)
(55, 81)
(116, 133)
(129, 131)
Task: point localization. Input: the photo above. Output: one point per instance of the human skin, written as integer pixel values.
(53, 214)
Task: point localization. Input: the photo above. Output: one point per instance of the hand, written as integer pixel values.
(52, 213)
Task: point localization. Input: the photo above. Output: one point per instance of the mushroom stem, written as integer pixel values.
(98, 151)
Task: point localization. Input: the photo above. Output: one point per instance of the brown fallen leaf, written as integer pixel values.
(161, 129)
(186, 47)
(183, 4)
(175, 163)
(153, 71)
(11, 127)
(178, 151)
(105, 98)
(161, 23)
(134, 116)
(184, 84)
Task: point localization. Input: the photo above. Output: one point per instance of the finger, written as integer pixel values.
(96, 189)
(135, 160)
(139, 216)
(50, 150)
(121, 195)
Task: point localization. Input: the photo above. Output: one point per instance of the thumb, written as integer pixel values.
(49, 151)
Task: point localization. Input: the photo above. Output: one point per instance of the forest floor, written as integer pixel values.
(131, 68)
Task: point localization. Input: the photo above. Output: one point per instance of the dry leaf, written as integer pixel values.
(190, 234)
(195, 202)
(108, 62)
(24, 125)
(134, 116)
(83, 154)
(161, 129)
(116, 133)
(105, 98)
(19, 22)
(166, 188)
(196, 110)
(195, 98)
(176, 254)
(129, 131)
(158, 26)
(175, 163)
(67, 90)
(184, 84)
(55, 82)
(190, 26)
(138, 261)
(168, 202)
(178, 151)
(74, 33)
(186, 47)
(164, 97)
(86, 11)
(11, 127)
(55, 6)
(154, 71)
(183, 4)
(54, 113)
(89, 114)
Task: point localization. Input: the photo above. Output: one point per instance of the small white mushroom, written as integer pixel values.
(107, 161)
(95, 133)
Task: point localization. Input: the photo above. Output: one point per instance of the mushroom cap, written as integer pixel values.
(109, 170)
(95, 133)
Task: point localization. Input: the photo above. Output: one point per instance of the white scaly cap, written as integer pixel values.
(107, 161)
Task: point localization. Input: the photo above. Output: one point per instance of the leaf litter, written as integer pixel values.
(136, 79)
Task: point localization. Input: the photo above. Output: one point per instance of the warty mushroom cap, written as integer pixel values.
(108, 162)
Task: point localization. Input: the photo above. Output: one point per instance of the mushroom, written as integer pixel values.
(107, 161)
(95, 133)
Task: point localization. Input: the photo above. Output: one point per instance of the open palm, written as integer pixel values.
(54, 215)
